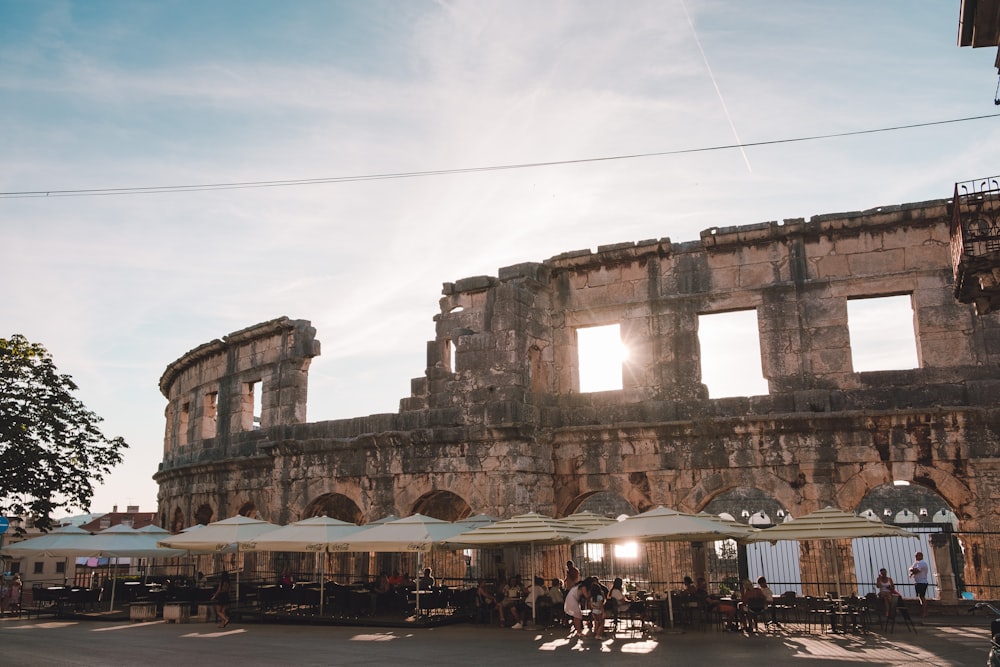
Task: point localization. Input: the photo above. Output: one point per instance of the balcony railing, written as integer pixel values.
(975, 243)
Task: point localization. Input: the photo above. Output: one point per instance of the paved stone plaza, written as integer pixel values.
(953, 641)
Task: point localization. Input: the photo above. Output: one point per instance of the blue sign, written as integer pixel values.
(4, 525)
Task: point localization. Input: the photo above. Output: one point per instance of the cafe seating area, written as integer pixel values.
(358, 603)
(355, 604)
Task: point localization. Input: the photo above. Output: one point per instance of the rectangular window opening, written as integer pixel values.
(883, 337)
(209, 428)
(600, 356)
(730, 354)
(182, 426)
(449, 354)
(251, 409)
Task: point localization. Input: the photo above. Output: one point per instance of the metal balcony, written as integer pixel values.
(975, 243)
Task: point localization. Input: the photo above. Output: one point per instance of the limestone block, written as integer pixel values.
(831, 266)
(875, 263)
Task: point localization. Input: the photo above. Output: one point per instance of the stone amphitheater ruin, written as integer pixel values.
(498, 425)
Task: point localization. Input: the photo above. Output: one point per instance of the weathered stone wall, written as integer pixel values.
(507, 430)
(209, 390)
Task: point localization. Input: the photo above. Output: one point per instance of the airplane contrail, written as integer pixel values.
(718, 92)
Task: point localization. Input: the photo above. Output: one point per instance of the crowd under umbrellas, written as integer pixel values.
(424, 537)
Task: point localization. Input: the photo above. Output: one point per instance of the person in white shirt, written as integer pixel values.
(617, 597)
(920, 572)
(537, 591)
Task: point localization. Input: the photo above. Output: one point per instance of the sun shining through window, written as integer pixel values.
(601, 354)
(627, 550)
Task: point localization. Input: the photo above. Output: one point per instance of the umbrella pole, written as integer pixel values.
(322, 579)
(836, 570)
(670, 608)
(534, 602)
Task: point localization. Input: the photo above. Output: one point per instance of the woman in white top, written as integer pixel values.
(617, 594)
(886, 590)
(572, 605)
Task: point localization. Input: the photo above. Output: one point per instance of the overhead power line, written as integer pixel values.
(165, 189)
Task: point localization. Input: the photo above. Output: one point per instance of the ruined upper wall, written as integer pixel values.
(505, 351)
(517, 332)
(212, 390)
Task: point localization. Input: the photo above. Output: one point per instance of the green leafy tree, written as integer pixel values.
(51, 451)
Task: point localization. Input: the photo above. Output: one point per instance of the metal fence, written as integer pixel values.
(963, 564)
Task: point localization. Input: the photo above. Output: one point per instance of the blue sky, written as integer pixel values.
(111, 94)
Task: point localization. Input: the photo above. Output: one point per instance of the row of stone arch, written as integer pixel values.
(742, 503)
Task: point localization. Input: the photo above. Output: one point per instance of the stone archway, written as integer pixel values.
(712, 484)
(604, 503)
(177, 523)
(926, 513)
(443, 505)
(336, 506)
(204, 514)
(728, 563)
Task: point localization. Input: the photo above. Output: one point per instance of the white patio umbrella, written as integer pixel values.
(829, 524)
(666, 525)
(222, 536)
(531, 529)
(588, 520)
(116, 542)
(121, 541)
(49, 544)
(416, 533)
(318, 534)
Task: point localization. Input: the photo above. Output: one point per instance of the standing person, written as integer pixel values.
(572, 577)
(920, 572)
(886, 588)
(573, 605)
(14, 595)
(221, 597)
(426, 581)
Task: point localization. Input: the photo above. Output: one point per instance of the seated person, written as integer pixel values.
(768, 597)
(886, 591)
(540, 594)
(752, 605)
(688, 591)
(384, 593)
(701, 592)
(382, 585)
(510, 598)
(617, 602)
(555, 592)
(396, 580)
